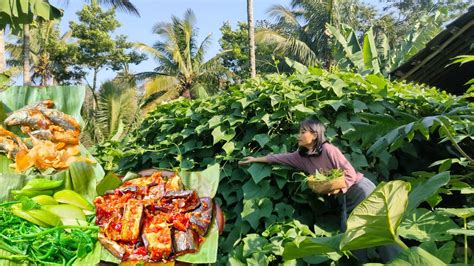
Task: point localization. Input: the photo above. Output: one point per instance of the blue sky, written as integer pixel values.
(210, 15)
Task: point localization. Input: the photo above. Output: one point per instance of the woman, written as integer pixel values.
(316, 153)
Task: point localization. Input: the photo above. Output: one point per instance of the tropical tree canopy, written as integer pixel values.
(182, 69)
(301, 28)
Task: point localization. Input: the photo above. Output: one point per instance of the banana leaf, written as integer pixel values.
(5, 165)
(67, 99)
(92, 258)
(207, 251)
(205, 182)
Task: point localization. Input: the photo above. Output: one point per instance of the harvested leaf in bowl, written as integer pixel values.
(326, 182)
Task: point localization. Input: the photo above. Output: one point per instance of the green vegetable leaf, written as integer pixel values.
(259, 171)
(424, 225)
(416, 256)
(375, 220)
(254, 209)
(423, 191)
(220, 134)
(444, 253)
(311, 246)
(228, 147)
(262, 139)
(27, 203)
(461, 231)
(460, 212)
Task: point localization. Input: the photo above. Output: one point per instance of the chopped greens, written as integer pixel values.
(38, 245)
(332, 174)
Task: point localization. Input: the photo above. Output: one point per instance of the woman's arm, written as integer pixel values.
(292, 159)
(251, 159)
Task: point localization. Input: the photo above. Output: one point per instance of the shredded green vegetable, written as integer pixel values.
(327, 176)
(38, 245)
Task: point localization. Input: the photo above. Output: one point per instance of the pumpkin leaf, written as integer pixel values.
(375, 220)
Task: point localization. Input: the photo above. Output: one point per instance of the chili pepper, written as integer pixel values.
(43, 184)
(32, 193)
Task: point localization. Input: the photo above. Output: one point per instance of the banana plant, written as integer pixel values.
(372, 54)
(21, 13)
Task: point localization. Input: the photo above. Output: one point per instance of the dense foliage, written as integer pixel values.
(96, 48)
(387, 130)
(182, 68)
(236, 59)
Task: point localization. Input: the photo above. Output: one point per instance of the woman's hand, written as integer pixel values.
(247, 160)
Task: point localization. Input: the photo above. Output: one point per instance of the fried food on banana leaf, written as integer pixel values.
(54, 138)
(10, 144)
(153, 219)
(45, 123)
(46, 154)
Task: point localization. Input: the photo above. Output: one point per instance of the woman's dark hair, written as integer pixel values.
(315, 127)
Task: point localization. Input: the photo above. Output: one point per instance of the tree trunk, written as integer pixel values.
(251, 38)
(186, 93)
(3, 64)
(26, 55)
(94, 82)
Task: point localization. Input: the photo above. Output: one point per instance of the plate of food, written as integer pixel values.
(155, 218)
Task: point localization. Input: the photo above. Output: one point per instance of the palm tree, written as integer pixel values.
(181, 69)
(251, 38)
(302, 27)
(44, 14)
(117, 106)
(123, 5)
(43, 37)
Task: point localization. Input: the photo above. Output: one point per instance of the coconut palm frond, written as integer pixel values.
(148, 74)
(160, 83)
(157, 99)
(288, 45)
(283, 15)
(143, 47)
(116, 107)
(123, 5)
(199, 56)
